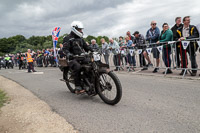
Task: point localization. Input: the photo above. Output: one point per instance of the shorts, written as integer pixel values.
(156, 53)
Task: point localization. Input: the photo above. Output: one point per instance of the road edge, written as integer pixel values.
(27, 113)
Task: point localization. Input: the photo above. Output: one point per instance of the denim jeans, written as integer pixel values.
(131, 60)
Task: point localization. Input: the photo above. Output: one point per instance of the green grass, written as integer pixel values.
(3, 98)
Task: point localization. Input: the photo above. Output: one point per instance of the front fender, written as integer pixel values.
(104, 70)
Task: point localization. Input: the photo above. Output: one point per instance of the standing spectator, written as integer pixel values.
(188, 32)
(60, 52)
(121, 41)
(15, 59)
(174, 30)
(94, 45)
(34, 56)
(20, 58)
(30, 61)
(51, 58)
(39, 59)
(131, 56)
(128, 33)
(20, 61)
(139, 42)
(123, 50)
(166, 35)
(152, 36)
(114, 46)
(12, 59)
(104, 50)
(46, 57)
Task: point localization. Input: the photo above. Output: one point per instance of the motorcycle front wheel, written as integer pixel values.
(109, 88)
(67, 75)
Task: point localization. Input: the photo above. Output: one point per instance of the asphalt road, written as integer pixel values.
(149, 104)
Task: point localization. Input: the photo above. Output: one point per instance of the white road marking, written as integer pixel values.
(137, 71)
(37, 73)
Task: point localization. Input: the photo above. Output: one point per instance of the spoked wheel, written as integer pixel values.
(109, 89)
(67, 74)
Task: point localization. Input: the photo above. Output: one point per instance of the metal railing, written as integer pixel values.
(182, 54)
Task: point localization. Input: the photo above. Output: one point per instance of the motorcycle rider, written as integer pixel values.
(73, 44)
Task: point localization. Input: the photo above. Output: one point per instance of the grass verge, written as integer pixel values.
(3, 98)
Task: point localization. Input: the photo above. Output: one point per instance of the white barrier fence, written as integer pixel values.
(184, 56)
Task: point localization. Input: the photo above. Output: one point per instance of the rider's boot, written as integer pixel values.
(79, 90)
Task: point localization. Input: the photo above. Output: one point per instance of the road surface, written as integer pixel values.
(149, 103)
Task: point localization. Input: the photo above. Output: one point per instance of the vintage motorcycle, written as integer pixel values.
(96, 78)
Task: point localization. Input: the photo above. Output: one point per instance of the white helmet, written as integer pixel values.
(75, 26)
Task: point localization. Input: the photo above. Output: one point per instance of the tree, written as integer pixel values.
(89, 38)
(19, 43)
(19, 38)
(35, 40)
(4, 45)
(23, 47)
(11, 43)
(47, 44)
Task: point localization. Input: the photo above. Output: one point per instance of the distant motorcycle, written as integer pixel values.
(9, 64)
(96, 78)
(3, 64)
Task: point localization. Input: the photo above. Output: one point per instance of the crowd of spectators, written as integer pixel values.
(41, 58)
(124, 48)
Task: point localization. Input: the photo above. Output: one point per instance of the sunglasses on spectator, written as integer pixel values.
(153, 24)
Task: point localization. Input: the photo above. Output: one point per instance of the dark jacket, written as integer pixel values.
(71, 45)
(193, 34)
(152, 35)
(139, 42)
(95, 47)
(174, 30)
